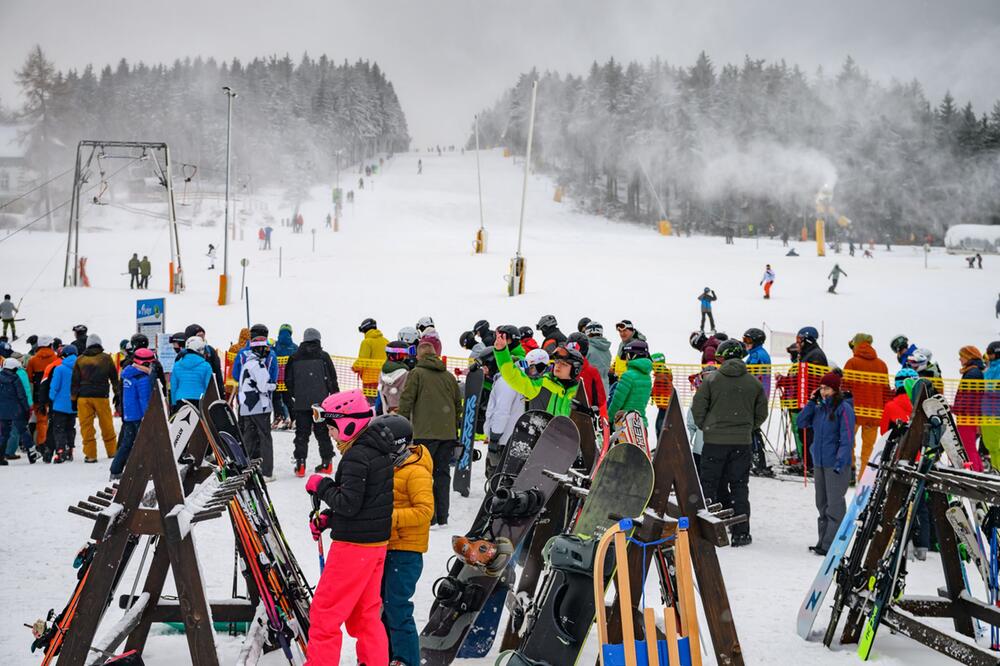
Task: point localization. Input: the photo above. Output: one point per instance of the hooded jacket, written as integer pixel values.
(255, 388)
(969, 396)
(599, 356)
(310, 376)
(412, 502)
(59, 386)
(546, 392)
(729, 405)
(94, 375)
(832, 431)
(503, 409)
(360, 494)
(372, 349)
(190, 377)
(13, 399)
(758, 356)
(812, 353)
(284, 345)
(897, 409)
(871, 390)
(137, 387)
(991, 397)
(432, 401)
(633, 389)
(593, 385)
(391, 384)
(41, 359)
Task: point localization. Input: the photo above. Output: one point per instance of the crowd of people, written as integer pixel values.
(397, 435)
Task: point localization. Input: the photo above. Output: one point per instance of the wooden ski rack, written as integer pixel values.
(182, 496)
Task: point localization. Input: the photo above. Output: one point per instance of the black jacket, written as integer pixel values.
(811, 353)
(310, 376)
(552, 338)
(360, 494)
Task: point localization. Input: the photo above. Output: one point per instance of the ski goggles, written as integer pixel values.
(405, 351)
(320, 415)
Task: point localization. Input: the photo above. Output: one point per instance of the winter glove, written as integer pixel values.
(318, 484)
(319, 523)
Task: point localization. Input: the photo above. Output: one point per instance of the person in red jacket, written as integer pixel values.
(901, 406)
(865, 375)
(590, 376)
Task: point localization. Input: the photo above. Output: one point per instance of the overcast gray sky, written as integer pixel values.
(449, 58)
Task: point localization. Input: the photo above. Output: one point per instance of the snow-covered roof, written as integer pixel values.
(959, 232)
(10, 144)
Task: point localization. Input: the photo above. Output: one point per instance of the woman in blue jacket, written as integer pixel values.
(191, 374)
(830, 414)
(62, 415)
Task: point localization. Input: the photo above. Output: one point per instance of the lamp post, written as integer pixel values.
(515, 279)
(481, 234)
(224, 277)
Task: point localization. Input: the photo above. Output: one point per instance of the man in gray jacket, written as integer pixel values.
(728, 406)
(599, 352)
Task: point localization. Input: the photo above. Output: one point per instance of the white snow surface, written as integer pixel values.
(405, 250)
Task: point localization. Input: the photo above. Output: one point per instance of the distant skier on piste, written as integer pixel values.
(834, 276)
(767, 280)
(706, 298)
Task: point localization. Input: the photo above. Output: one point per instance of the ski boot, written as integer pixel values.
(300, 468)
(33, 455)
(490, 557)
(324, 467)
(743, 539)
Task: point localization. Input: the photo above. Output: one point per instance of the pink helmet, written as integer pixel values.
(143, 356)
(348, 411)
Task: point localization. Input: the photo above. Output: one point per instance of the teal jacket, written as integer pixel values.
(546, 392)
(632, 391)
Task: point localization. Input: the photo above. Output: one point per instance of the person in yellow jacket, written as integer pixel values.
(553, 391)
(413, 506)
(371, 356)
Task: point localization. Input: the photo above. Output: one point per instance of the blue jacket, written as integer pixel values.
(271, 363)
(13, 399)
(906, 355)
(190, 377)
(759, 356)
(137, 386)
(59, 384)
(832, 437)
(991, 398)
(284, 346)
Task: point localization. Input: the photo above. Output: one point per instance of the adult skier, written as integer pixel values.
(758, 363)
(552, 337)
(7, 312)
(359, 517)
(133, 271)
(145, 270)
(599, 351)
(634, 387)
(310, 376)
(706, 298)
(834, 277)
(94, 378)
(767, 280)
(371, 356)
(425, 325)
(43, 357)
(209, 353)
(865, 376)
(728, 406)
(80, 337)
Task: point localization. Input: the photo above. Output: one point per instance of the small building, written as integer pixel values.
(16, 177)
(973, 238)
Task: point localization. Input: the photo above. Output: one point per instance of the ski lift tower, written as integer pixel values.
(515, 279)
(92, 154)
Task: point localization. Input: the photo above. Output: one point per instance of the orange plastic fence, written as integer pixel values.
(789, 386)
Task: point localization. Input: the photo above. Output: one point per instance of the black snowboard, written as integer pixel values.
(473, 395)
(461, 596)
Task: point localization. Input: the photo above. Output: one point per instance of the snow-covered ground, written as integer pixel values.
(404, 249)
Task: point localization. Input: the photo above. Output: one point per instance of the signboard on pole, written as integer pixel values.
(165, 353)
(149, 316)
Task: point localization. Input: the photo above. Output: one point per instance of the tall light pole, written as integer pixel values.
(481, 234)
(515, 279)
(224, 277)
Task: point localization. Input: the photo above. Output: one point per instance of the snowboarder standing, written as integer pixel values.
(310, 377)
(767, 280)
(834, 276)
(145, 269)
(8, 310)
(133, 271)
(706, 298)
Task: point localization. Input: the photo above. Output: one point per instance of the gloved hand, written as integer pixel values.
(317, 484)
(319, 523)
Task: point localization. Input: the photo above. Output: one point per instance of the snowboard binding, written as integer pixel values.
(490, 557)
(453, 593)
(513, 504)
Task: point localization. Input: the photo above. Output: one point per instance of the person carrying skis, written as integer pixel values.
(634, 387)
(137, 387)
(599, 351)
(62, 416)
(834, 277)
(865, 377)
(94, 378)
(552, 337)
(830, 416)
(284, 347)
(309, 377)
(591, 378)
(15, 408)
(968, 401)
(706, 298)
(432, 402)
(728, 406)
(133, 271)
(145, 270)
(371, 356)
(767, 280)
(8, 310)
(413, 508)
(359, 517)
(255, 393)
(191, 374)
(552, 391)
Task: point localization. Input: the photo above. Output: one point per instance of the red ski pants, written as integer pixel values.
(349, 593)
(968, 436)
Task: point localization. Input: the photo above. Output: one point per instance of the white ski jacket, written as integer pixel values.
(503, 410)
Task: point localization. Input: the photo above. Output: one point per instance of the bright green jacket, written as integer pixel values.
(633, 389)
(545, 393)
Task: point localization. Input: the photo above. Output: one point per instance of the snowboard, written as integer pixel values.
(630, 429)
(473, 395)
(555, 626)
(182, 425)
(511, 510)
(824, 578)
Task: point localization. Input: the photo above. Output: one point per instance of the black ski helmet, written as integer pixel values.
(178, 338)
(582, 324)
(80, 329)
(571, 356)
(808, 334)
(730, 349)
(754, 336)
(720, 336)
(367, 325)
(993, 349)
(467, 340)
(486, 358)
(526, 332)
(139, 341)
(547, 321)
(899, 344)
(635, 349)
(397, 429)
(581, 341)
(482, 326)
(698, 340)
(258, 331)
(512, 332)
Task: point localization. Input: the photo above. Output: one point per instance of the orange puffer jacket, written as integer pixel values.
(413, 502)
(871, 391)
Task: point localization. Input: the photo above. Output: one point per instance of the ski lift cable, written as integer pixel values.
(63, 204)
(35, 189)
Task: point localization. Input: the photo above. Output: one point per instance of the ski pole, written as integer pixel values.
(319, 536)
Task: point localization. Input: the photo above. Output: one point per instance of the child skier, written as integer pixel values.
(413, 507)
(137, 386)
(392, 379)
(360, 498)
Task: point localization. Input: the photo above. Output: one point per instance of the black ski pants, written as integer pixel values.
(304, 425)
(711, 320)
(62, 431)
(725, 478)
(441, 450)
(257, 442)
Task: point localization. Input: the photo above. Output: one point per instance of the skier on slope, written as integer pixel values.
(211, 257)
(767, 280)
(834, 277)
(706, 298)
(359, 517)
(133, 271)
(554, 391)
(8, 310)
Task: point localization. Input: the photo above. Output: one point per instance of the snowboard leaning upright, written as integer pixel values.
(473, 394)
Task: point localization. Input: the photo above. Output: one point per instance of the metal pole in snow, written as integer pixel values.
(527, 164)
(279, 262)
(479, 177)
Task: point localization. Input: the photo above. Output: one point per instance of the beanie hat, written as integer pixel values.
(285, 327)
(832, 380)
(433, 339)
(143, 355)
(44, 341)
(195, 344)
(69, 350)
(969, 352)
(309, 335)
(11, 364)
(94, 340)
(425, 348)
(859, 338)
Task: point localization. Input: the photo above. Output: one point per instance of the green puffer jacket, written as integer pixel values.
(633, 389)
(729, 405)
(431, 401)
(546, 392)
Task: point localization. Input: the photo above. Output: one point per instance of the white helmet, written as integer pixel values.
(424, 323)
(408, 334)
(11, 363)
(195, 344)
(919, 359)
(537, 357)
